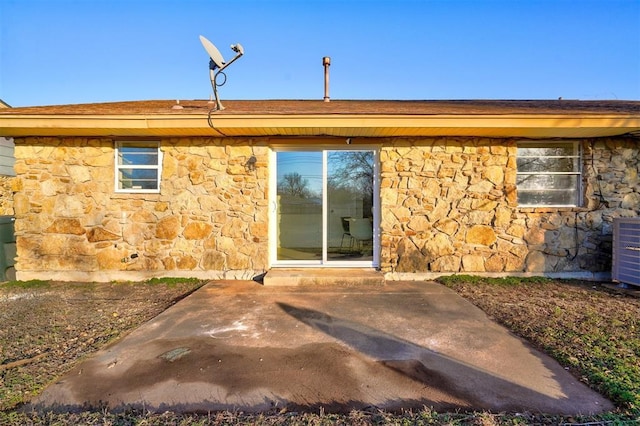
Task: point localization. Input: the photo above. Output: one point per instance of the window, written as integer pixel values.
(549, 173)
(138, 166)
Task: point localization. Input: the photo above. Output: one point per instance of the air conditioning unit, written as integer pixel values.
(626, 251)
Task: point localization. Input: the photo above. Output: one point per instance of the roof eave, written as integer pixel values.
(343, 125)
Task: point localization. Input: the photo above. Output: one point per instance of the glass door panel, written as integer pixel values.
(325, 207)
(350, 205)
(299, 206)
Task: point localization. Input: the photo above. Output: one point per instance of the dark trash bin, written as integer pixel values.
(7, 246)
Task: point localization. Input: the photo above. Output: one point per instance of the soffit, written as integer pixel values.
(533, 119)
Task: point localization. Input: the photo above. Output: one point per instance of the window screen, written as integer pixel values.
(549, 173)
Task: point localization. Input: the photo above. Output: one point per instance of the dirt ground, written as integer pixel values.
(49, 326)
(591, 328)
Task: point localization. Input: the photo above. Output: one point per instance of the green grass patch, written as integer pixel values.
(355, 418)
(172, 281)
(26, 284)
(16, 386)
(166, 281)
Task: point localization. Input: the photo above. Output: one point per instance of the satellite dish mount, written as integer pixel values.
(217, 62)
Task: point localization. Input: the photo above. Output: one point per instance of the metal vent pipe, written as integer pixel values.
(326, 61)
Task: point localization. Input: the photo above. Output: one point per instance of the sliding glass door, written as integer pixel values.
(325, 211)
(299, 206)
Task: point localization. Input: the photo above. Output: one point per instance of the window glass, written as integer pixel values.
(138, 179)
(549, 173)
(138, 167)
(138, 154)
(543, 164)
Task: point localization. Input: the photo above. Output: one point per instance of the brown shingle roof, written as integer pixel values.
(338, 118)
(342, 107)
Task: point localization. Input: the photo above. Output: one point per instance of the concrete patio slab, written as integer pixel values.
(237, 345)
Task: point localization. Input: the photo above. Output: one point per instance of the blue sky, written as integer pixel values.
(77, 51)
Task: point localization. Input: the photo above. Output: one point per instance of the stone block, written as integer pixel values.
(438, 246)
(143, 216)
(446, 172)
(66, 263)
(409, 257)
(98, 234)
(494, 174)
(186, 262)
(472, 263)
(50, 188)
(161, 206)
(110, 258)
(70, 206)
(453, 147)
(168, 228)
(502, 218)
(536, 262)
(66, 245)
(631, 201)
(193, 163)
(484, 205)
(441, 211)
(225, 244)
(169, 263)
(535, 236)
(519, 250)
(568, 237)
(481, 234)
(259, 230)
(480, 217)
(197, 230)
(446, 264)
(447, 226)
(234, 228)
(419, 224)
(21, 205)
(66, 226)
(102, 160)
(514, 263)
(213, 261)
(79, 173)
(481, 187)
(135, 234)
(431, 188)
(238, 261)
(243, 151)
(495, 263)
(498, 149)
(401, 214)
(113, 225)
(431, 166)
(197, 177)
(20, 167)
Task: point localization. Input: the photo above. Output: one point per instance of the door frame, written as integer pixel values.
(272, 203)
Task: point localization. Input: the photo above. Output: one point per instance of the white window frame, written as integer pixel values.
(118, 167)
(273, 225)
(577, 149)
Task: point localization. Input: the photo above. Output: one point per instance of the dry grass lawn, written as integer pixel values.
(46, 327)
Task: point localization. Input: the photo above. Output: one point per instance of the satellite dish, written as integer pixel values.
(217, 62)
(213, 52)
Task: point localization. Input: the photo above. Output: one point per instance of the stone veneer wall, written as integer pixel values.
(6, 195)
(210, 219)
(448, 205)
